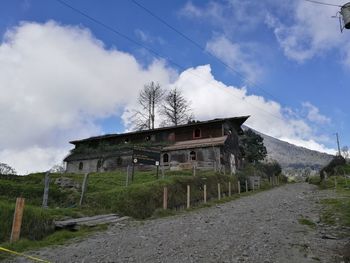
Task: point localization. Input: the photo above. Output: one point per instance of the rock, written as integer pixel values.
(65, 182)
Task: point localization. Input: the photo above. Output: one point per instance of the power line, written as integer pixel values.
(199, 46)
(111, 29)
(322, 3)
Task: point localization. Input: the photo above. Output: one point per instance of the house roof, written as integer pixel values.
(240, 120)
(198, 143)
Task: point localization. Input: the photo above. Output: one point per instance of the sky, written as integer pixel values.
(65, 77)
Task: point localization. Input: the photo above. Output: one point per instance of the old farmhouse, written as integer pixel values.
(206, 145)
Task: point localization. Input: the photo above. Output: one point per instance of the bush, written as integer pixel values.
(141, 201)
(330, 169)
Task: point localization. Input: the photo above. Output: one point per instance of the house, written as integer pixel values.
(206, 145)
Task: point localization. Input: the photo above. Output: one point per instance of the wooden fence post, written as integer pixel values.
(239, 187)
(205, 193)
(335, 183)
(17, 220)
(194, 170)
(219, 191)
(165, 198)
(83, 188)
(246, 186)
(229, 188)
(188, 196)
(46, 189)
(127, 175)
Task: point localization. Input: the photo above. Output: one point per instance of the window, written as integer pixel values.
(126, 140)
(165, 158)
(81, 165)
(148, 138)
(193, 156)
(197, 133)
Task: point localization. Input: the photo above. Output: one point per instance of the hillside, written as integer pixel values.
(294, 157)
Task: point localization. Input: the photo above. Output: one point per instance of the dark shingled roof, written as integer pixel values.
(240, 120)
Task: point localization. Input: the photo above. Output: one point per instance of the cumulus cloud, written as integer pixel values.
(239, 57)
(212, 99)
(55, 82)
(314, 115)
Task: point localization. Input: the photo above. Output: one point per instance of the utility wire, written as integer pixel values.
(202, 48)
(111, 29)
(322, 3)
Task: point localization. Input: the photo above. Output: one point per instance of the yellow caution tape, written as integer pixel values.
(23, 255)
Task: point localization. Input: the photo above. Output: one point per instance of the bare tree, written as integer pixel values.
(176, 109)
(346, 152)
(149, 99)
(6, 169)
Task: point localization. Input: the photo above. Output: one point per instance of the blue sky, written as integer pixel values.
(64, 77)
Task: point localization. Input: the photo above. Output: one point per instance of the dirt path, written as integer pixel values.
(259, 228)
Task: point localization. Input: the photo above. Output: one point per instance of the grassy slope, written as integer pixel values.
(336, 210)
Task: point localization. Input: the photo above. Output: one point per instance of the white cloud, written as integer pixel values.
(314, 115)
(213, 99)
(311, 33)
(238, 57)
(55, 82)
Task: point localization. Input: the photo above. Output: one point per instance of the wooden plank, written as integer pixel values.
(17, 220)
(205, 193)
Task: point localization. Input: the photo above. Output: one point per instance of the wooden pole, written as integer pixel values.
(219, 191)
(188, 196)
(246, 186)
(205, 193)
(194, 170)
(165, 198)
(239, 187)
(253, 184)
(335, 183)
(17, 220)
(46, 189)
(83, 188)
(162, 170)
(229, 188)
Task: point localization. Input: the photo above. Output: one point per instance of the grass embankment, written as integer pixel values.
(336, 210)
(106, 193)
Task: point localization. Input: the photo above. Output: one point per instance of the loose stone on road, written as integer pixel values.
(258, 228)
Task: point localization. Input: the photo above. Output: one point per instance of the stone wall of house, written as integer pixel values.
(82, 166)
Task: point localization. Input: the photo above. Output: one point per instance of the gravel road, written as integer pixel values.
(258, 228)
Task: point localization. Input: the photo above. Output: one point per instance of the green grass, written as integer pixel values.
(336, 210)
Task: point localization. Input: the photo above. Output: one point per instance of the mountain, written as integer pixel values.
(292, 157)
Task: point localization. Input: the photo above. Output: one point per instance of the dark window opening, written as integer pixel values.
(197, 133)
(119, 161)
(126, 140)
(165, 158)
(193, 156)
(81, 165)
(148, 138)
